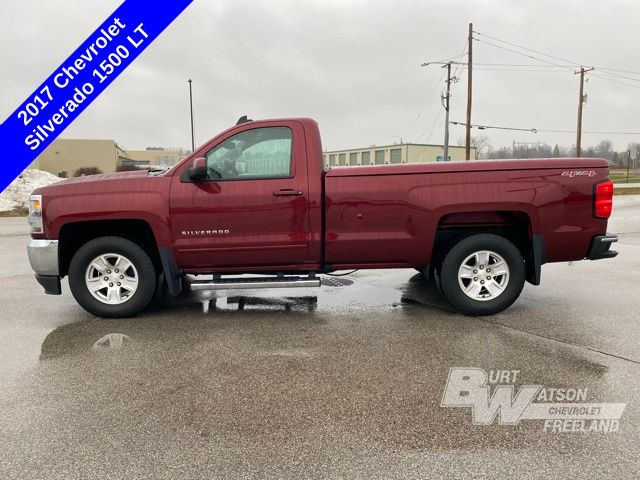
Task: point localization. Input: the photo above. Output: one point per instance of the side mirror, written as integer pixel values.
(198, 169)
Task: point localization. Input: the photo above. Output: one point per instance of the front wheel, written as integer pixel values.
(112, 277)
(482, 274)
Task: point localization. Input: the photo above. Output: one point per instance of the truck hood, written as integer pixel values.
(95, 183)
(121, 196)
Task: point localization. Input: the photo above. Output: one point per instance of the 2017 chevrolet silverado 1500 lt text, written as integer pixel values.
(256, 199)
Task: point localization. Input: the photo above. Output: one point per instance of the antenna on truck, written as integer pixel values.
(243, 119)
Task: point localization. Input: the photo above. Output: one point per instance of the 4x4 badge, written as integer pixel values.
(578, 173)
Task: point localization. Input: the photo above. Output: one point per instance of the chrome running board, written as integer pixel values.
(242, 283)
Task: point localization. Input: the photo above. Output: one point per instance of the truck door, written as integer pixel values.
(252, 209)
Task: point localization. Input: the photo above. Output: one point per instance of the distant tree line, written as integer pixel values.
(604, 149)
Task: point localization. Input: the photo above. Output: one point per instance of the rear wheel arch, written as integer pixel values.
(516, 226)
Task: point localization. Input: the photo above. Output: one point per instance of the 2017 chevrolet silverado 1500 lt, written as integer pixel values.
(256, 199)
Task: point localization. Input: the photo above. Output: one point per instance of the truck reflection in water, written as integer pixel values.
(112, 341)
(239, 303)
(309, 303)
(123, 336)
(177, 320)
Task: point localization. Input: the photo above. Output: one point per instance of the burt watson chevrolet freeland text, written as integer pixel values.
(492, 395)
(105, 47)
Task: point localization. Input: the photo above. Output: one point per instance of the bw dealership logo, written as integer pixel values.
(493, 395)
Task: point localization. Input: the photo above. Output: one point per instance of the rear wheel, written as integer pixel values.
(482, 274)
(112, 277)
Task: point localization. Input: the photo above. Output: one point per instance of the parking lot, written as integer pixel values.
(336, 382)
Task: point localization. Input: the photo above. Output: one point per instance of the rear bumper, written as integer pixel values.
(600, 247)
(43, 257)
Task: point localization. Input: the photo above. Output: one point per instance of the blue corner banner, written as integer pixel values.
(80, 79)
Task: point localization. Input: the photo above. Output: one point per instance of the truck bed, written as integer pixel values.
(383, 214)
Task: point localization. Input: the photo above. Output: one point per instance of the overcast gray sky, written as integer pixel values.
(353, 66)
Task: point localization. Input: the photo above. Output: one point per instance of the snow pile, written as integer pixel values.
(17, 193)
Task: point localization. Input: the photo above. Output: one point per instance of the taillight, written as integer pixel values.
(603, 201)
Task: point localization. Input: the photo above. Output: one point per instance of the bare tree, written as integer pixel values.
(604, 149)
(481, 144)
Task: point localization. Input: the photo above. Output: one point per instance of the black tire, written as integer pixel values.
(146, 275)
(452, 263)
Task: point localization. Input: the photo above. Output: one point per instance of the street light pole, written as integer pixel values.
(193, 143)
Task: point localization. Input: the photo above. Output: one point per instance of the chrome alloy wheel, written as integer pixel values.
(483, 275)
(111, 278)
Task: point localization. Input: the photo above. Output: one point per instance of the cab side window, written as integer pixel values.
(258, 153)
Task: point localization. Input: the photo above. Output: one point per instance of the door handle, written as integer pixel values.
(287, 192)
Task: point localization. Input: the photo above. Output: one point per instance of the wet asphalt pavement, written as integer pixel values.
(336, 382)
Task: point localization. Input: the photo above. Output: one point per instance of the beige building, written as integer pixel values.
(154, 156)
(388, 154)
(64, 156)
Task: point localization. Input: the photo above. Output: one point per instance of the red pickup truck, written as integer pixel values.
(256, 208)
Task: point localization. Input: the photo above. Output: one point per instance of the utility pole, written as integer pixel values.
(445, 102)
(580, 104)
(446, 108)
(467, 144)
(193, 143)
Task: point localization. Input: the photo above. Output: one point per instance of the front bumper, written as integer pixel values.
(43, 257)
(600, 247)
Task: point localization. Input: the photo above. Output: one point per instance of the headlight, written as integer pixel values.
(35, 214)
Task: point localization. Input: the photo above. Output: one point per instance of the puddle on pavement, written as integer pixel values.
(385, 291)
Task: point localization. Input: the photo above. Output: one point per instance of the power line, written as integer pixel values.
(615, 81)
(503, 64)
(494, 127)
(545, 65)
(543, 60)
(449, 63)
(435, 127)
(605, 75)
(528, 49)
(524, 54)
(553, 107)
(603, 69)
(424, 107)
(515, 65)
(435, 88)
(605, 72)
(498, 69)
(591, 132)
(619, 70)
(541, 130)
